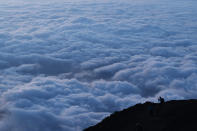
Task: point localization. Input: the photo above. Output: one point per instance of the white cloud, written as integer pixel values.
(65, 65)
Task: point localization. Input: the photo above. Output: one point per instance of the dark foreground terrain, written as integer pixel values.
(173, 115)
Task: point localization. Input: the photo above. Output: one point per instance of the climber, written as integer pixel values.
(161, 100)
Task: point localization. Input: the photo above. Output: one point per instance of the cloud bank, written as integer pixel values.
(66, 65)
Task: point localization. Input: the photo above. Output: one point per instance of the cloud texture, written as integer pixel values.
(66, 65)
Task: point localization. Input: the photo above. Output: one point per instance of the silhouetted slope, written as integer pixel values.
(170, 116)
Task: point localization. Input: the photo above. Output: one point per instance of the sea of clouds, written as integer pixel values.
(65, 65)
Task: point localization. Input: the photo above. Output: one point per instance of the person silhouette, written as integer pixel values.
(161, 100)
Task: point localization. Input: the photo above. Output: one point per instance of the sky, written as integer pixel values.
(67, 64)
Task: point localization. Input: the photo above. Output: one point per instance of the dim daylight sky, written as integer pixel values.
(67, 64)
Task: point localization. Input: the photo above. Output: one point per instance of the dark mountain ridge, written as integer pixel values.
(175, 115)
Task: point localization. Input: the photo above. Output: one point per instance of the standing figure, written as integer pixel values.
(161, 100)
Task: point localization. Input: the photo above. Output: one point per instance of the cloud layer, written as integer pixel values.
(65, 65)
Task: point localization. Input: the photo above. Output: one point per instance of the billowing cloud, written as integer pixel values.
(66, 65)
